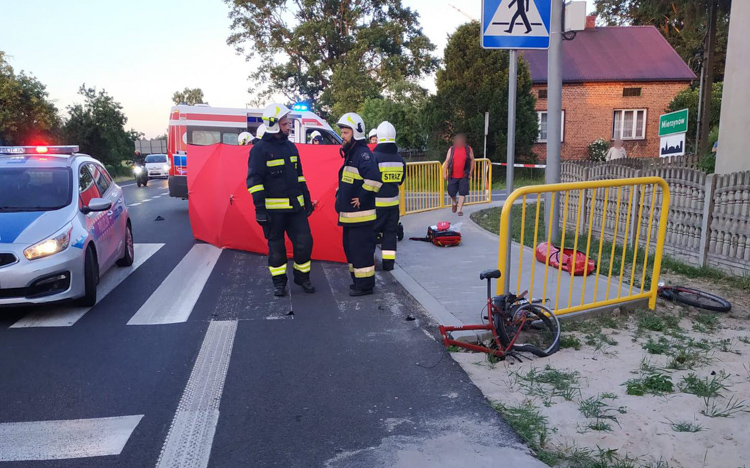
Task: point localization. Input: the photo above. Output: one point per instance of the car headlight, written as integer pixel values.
(165, 167)
(137, 170)
(50, 246)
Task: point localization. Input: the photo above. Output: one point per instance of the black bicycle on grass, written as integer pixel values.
(694, 297)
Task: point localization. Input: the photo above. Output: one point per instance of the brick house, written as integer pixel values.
(616, 82)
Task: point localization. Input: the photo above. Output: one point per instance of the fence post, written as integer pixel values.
(708, 209)
(582, 227)
(634, 209)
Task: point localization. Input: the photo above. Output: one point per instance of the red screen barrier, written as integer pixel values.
(222, 211)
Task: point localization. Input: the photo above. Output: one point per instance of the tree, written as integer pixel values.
(98, 127)
(404, 108)
(472, 82)
(332, 53)
(27, 116)
(189, 96)
(682, 22)
(688, 99)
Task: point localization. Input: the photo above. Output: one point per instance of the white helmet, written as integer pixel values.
(272, 114)
(244, 138)
(372, 133)
(386, 133)
(355, 122)
(314, 135)
(261, 131)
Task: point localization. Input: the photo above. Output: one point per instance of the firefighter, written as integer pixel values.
(282, 200)
(359, 182)
(373, 137)
(259, 134)
(391, 166)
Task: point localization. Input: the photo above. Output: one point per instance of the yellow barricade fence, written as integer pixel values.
(424, 187)
(619, 224)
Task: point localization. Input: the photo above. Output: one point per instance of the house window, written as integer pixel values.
(631, 92)
(629, 124)
(542, 117)
(542, 94)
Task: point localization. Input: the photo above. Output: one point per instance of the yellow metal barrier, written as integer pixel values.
(424, 188)
(609, 213)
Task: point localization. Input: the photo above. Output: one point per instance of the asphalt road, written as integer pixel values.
(189, 361)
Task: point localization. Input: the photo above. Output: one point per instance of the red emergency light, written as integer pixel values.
(22, 150)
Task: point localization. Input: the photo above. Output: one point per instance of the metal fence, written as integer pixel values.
(624, 270)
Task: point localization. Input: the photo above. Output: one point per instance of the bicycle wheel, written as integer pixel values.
(696, 298)
(535, 328)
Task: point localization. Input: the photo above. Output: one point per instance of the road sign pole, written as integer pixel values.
(554, 115)
(486, 131)
(511, 154)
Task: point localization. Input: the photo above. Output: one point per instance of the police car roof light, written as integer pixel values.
(299, 107)
(19, 150)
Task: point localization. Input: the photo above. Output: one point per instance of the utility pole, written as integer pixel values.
(554, 116)
(707, 80)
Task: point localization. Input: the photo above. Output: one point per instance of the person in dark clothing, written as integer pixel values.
(391, 166)
(359, 182)
(282, 200)
(139, 159)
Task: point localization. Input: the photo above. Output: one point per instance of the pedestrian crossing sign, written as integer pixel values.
(516, 24)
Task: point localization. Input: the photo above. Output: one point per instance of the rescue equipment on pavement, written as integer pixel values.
(443, 234)
(567, 259)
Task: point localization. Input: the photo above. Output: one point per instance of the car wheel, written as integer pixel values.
(91, 278)
(129, 255)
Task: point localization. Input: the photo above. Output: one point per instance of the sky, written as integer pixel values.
(142, 51)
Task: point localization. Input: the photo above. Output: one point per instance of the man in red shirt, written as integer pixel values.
(457, 170)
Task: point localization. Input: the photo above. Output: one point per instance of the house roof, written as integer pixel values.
(614, 53)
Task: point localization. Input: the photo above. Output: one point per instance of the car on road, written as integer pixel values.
(63, 224)
(157, 166)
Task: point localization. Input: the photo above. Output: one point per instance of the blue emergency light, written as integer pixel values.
(300, 106)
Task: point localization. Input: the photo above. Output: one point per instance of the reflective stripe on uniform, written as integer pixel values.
(382, 202)
(389, 166)
(351, 268)
(372, 185)
(278, 204)
(366, 272)
(357, 216)
(350, 174)
(303, 267)
(301, 200)
(389, 254)
(275, 162)
(278, 271)
(256, 188)
(293, 159)
(301, 179)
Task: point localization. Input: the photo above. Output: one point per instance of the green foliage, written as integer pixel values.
(685, 426)
(660, 346)
(333, 53)
(471, 82)
(189, 96)
(682, 22)
(404, 108)
(98, 127)
(548, 382)
(730, 408)
(706, 323)
(656, 384)
(706, 387)
(598, 149)
(688, 99)
(570, 341)
(27, 116)
(528, 422)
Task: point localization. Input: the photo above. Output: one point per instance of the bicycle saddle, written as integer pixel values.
(489, 274)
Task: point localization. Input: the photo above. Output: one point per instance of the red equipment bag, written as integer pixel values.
(443, 234)
(567, 259)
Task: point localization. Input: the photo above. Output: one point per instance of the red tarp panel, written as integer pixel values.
(222, 211)
(567, 259)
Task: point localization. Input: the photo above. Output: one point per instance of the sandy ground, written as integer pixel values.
(643, 426)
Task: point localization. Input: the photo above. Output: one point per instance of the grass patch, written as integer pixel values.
(685, 426)
(654, 384)
(570, 341)
(649, 321)
(687, 358)
(599, 413)
(531, 425)
(660, 346)
(706, 323)
(732, 407)
(548, 382)
(706, 387)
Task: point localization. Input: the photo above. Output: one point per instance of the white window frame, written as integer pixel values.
(619, 135)
(539, 138)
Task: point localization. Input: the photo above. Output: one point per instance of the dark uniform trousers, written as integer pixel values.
(386, 227)
(359, 248)
(296, 226)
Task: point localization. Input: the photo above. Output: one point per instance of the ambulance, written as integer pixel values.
(205, 125)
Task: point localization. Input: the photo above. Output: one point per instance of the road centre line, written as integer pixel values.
(188, 443)
(61, 316)
(188, 278)
(64, 439)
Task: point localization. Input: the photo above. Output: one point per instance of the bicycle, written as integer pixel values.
(694, 297)
(516, 324)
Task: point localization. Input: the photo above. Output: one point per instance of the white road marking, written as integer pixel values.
(191, 435)
(174, 299)
(61, 316)
(134, 204)
(58, 440)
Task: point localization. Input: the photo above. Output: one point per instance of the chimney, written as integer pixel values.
(591, 22)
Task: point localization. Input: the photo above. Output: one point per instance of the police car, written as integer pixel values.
(63, 224)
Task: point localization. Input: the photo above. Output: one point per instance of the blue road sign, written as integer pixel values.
(516, 24)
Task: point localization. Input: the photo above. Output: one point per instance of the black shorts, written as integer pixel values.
(458, 186)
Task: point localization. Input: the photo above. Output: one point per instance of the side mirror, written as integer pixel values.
(96, 205)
